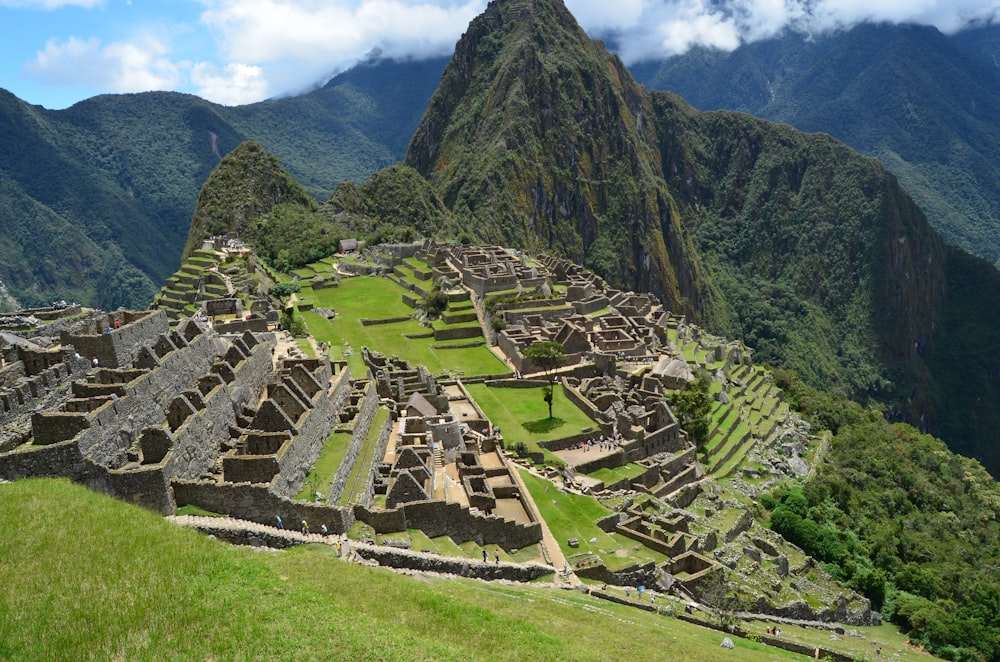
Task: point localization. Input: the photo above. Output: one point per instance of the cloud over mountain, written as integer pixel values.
(239, 51)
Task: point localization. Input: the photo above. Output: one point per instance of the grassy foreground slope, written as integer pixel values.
(86, 577)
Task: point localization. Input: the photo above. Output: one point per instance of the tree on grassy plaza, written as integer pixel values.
(692, 406)
(283, 291)
(548, 356)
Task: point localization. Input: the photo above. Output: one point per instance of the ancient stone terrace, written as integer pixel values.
(488, 269)
(160, 412)
(435, 461)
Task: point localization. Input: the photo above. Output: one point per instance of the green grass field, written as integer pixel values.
(379, 298)
(574, 516)
(92, 578)
(523, 415)
(613, 475)
(321, 475)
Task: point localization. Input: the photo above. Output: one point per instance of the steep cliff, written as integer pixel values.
(538, 137)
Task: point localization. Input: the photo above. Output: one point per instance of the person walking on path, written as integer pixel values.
(278, 518)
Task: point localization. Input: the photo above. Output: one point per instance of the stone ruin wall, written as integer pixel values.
(257, 503)
(89, 447)
(44, 390)
(383, 441)
(437, 518)
(362, 421)
(413, 560)
(312, 431)
(120, 347)
(114, 425)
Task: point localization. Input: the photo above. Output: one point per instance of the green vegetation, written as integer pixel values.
(70, 590)
(912, 526)
(321, 475)
(396, 204)
(500, 166)
(358, 478)
(616, 474)
(692, 406)
(379, 298)
(574, 516)
(854, 85)
(548, 356)
(521, 415)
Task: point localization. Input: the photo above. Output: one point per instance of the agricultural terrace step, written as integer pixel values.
(741, 447)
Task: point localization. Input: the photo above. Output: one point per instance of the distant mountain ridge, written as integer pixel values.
(96, 200)
(925, 104)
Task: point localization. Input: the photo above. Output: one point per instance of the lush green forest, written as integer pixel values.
(925, 104)
(96, 200)
(901, 519)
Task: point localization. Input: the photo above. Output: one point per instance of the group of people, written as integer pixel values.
(603, 443)
(60, 305)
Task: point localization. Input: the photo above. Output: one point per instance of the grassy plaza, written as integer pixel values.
(372, 297)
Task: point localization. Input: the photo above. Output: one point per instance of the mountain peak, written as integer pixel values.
(538, 137)
(247, 183)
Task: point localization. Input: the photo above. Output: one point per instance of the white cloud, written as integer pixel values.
(232, 85)
(139, 66)
(299, 43)
(50, 4)
(271, 47)
(668, 27)
(602, 15)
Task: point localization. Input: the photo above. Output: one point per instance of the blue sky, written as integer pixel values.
(57, 52)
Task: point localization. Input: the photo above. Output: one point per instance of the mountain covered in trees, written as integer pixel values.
(96, 200)
(93, 182)
(925, 104)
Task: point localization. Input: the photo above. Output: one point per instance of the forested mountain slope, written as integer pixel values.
(925, 104)
(96, 200)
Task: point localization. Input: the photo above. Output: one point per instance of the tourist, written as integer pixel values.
(486, 557)
(338, 547)
(278, 518)
(305, 527)
(496, 556)
(323, 530)
(93, 361)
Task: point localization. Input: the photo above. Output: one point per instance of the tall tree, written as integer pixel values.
(548, 356)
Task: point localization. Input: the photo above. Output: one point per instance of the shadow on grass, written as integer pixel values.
(543, 425)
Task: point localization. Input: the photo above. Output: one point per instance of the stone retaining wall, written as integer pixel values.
(437, 518)
(410, 560)
(300, 454)
(641, 575)
(120, 347)
(459, 333)
(258, 504)
(385, 320)
(368, 496)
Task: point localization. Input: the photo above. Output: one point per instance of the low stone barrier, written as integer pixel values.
(385, 320)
